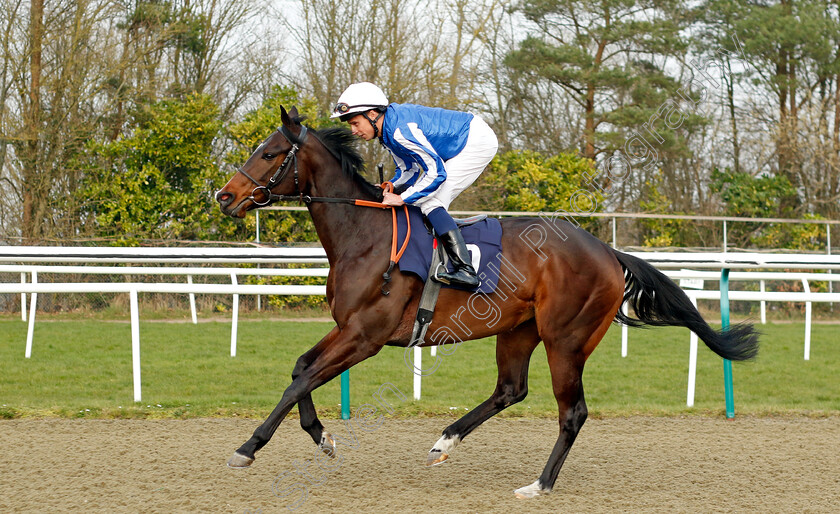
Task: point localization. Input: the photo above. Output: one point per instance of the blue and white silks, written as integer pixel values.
(420, 140)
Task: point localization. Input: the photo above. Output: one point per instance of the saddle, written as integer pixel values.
(431, 288)
(482, 234)
(465, 222)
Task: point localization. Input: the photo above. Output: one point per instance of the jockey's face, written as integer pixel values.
(361, 127)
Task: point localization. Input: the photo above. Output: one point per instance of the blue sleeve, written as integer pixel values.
(405, 173)
(415, 144)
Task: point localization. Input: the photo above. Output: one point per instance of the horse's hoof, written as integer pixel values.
(436, 457)
(327, 444)
(240, 461)
(440, 451)
(531, 491)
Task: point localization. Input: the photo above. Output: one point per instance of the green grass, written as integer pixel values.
(83, 369)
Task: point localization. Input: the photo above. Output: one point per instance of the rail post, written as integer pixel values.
(234, 317)
(345, 394)
(23, 298)
(727, 364)
(30, 331)
(135, 344)
(192, 302)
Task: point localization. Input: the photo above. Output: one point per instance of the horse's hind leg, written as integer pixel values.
(566, 357)
(566, 373)
(513, 353)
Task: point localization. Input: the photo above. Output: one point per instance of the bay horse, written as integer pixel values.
(557, 285)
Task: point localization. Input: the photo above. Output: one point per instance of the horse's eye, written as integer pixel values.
(269, 156)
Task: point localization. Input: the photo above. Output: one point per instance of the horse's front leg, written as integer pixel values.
(309, 421)
(312, 425)
(336, 352)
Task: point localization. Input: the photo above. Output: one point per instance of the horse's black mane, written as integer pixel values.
(342, 143)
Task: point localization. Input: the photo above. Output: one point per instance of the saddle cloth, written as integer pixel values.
(483, 238)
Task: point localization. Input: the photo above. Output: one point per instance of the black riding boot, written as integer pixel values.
(463, 274)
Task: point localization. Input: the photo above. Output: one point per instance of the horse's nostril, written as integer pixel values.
(223, 197)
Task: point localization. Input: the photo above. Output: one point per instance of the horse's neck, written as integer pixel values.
(346, 231)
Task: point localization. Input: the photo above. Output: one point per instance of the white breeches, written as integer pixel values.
(464, 168)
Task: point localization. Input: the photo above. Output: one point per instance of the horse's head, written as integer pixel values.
(271, 170)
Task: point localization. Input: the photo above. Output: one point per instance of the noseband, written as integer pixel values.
(288, 163)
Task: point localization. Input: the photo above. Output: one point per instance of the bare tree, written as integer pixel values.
(416, 51)
(32, 119)
(73, 73)
(206, 48)
(12, 59)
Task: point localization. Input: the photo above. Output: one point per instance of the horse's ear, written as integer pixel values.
(284, 116)
(289, 119)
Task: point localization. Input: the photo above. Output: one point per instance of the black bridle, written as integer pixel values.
(290, 162)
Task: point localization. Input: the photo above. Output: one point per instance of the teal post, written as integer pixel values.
(727, 364)
(345, 394)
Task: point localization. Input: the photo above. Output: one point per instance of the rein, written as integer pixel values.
(262, 196)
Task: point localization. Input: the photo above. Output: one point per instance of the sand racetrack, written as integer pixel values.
(629, 464)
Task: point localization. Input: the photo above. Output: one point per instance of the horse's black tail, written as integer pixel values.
(658, 301)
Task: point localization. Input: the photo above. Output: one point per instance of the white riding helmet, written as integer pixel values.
(359, 97)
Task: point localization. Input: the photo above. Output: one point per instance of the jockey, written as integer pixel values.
(438, 153)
